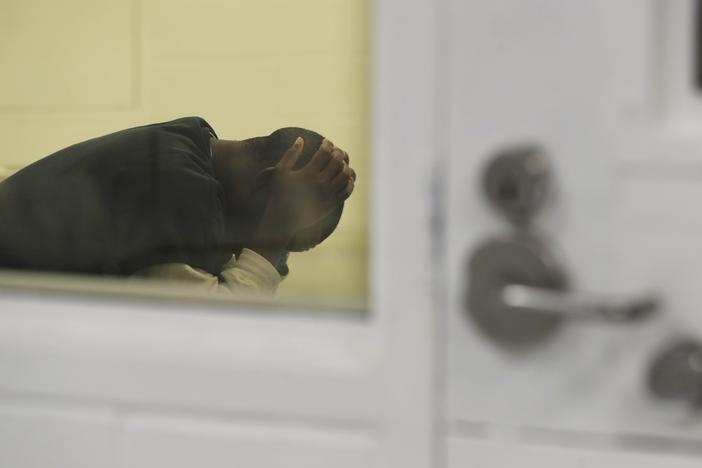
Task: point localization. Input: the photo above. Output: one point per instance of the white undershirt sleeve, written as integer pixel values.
(250, 274)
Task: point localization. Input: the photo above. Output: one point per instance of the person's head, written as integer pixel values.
(241, 168)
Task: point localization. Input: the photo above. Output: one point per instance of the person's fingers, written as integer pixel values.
(347, 191)
(292, 154)
(322, 157)
(341, 154)
(334, 166)
(352, 174)
(341, 180)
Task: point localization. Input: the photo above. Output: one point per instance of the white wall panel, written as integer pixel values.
(175, 442)
(466, 453)
(36, 435)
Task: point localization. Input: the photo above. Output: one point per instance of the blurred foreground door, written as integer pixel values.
(602, 96)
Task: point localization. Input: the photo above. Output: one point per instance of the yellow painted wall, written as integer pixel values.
(74, 69)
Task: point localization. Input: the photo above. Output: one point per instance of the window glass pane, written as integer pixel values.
(79, 69)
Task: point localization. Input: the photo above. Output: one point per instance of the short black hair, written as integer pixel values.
(271, 149)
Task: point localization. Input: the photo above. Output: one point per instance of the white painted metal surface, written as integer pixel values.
(606, 88)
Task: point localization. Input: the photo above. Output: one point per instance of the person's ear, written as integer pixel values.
(263, 179)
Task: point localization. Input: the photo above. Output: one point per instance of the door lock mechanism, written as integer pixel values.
(517, 182)
(518, 293)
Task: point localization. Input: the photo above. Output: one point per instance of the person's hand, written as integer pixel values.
(301, 197)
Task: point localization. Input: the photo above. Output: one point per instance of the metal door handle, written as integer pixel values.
(579, 305)
(518, 294)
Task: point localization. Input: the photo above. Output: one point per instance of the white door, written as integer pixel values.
(607, 89)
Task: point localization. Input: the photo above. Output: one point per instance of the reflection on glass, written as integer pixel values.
(153, 61)
(171, 200)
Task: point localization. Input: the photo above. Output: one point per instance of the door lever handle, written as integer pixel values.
(518, 294)
(579, 305)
